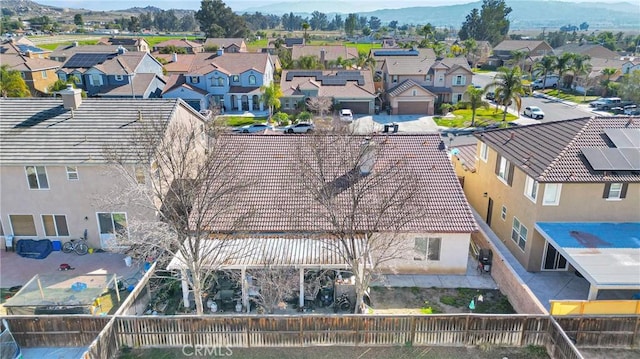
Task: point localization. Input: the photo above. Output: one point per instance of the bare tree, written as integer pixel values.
(363, 198)
(276, 285)
(168, 168)
(320, 105)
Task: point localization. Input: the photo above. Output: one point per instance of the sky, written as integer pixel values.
(239, 5)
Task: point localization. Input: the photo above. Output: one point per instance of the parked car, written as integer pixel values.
(597, 101)
(631, 110)
(609, 103)
(302, 127)
(346, 115)
(256, 127)
(551, 81)
(490, 95)
(534, 112)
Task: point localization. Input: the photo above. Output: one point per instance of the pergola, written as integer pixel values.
(269, 252)
(606, 254)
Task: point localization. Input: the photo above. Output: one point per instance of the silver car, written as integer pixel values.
(256, 127)
(534, 112)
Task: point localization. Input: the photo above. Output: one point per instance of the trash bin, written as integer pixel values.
(386, 128)
(395, 127)
(57, 245)
(8, 243)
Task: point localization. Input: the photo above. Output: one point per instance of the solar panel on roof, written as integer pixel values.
(613, 159)
(87, 60)
(624, 137)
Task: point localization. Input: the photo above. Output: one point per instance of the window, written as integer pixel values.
(37, 177)
(394, 78)
(551, 195)
(459, 80)
(427, 78)
(22, 225)
(95, 79)
(72, 173)
(220, 81)
(614, 191)
(427, 248)
(194, 79)
(252, 80)
(62, 77)
(77, 79)
(235, 78)
(414, 93)
(55, 225)
(484, 151)
(504, 170)
(459, 97)
(519, 233)
(531, 189)
(113, 223)
(23, 75)
(503, 213)
(44, 74)
(119, 77)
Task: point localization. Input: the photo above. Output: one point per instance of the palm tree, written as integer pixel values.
(365, 61)
(427, 31)
(608, 72)
(475, 101)
(563, 64)
(271, 95)
(508, 88)
(517, 57)
(545, 66)
(12, 84)
(309, 63)
(470, 48)
(580, 66)
(305, 27)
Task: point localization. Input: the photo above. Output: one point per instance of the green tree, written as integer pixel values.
(271, 95)
(218, 20)
(580, 66)
(490, 24)
(78, 20)
(350, 24)
(545, 66)
(474, 96)
(563, 64)
(518, 57)
(508, 88)
(426, 31)
(470, 48)
(630, 86)
(607, 72)
(364, 61)
(172, 49)
(310, 62)
(12, 84)
(305, 27)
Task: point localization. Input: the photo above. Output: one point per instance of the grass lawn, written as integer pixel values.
(54, 46)
(463, 118)
(570, 96)
(364, 47)
(234, 121)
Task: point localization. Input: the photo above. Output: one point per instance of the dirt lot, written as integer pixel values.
(440, 300)
(350, 352)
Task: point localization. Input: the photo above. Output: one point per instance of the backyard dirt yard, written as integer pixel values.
(415, 300)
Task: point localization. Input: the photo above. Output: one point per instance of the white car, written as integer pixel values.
(302, 127)
(534, 112)
(346, 115)
(256, 127)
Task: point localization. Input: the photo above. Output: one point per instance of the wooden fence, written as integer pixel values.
(559, 345)
(56, 330)
(105, 345)
(136, 302)
(345, 330)
(602, 331)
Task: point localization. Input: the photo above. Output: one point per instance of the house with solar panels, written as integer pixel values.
(350, 89)
(115, 74)
(56, 174)
(35, 68)
(562, 196)
(229, 81)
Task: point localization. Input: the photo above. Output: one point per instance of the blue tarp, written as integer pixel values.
(593, 234)
(36, 249)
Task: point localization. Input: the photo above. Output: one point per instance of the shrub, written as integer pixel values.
(304, 116)
(281, 118)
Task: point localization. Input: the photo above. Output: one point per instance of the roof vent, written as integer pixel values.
(513, 135)
(71, 97)
(368, 156)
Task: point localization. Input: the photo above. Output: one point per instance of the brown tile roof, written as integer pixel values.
(349, 89)
(404, 86)
(593, 50)
(230, 63)
(512, 45)
(122, 64)
(223, 42)
(551, 152)
(409, 65)
(278, 204)
(178, 43)
(331, 52)
(141, 83)
(176, 81)
(466, 154)
(184, 63)
(29, 64)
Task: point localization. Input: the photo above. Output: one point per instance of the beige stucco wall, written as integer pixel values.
(454, 251)
(579, 202)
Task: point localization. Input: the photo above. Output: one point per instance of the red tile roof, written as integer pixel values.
(279, 203)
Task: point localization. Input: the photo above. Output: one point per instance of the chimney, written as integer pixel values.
(75, 44)
(121, 50)
(368, 156)
(71, 97)
(220, 52)
(174, 58)
(322, 55)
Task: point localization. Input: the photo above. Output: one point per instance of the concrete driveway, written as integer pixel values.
(406, 124)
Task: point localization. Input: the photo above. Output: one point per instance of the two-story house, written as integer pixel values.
(326, 54)
(191, 47)
(502, 53)
(416, 84)
(229, 45)
(129, 43)
(350, 89)
(536, 186)
(57, 178)
(120, 74)
(38, 73)
(230, 81)
(63, 52)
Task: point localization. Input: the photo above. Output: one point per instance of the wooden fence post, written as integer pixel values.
(248, 329)
(301, 332)
(466, 330)
(412, 338)
(524, 326)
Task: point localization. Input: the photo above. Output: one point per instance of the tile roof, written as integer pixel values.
(331, 52)
(122, 64)
(512, 45)
(177, 81)
(349, 89)
(184, 63)
(141, 83)
(223, 42)
(278, 203)
(40, 131)
(551, 152)
(409, 65)
(594, 50)
(466, 154)
(403, 86)
(178, 43)
(230, 63)
(69, 50)
(23, 63)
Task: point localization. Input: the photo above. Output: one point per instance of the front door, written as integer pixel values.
(553, 260)
(489, 211)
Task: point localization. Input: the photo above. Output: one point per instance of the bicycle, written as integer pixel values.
(78, 245)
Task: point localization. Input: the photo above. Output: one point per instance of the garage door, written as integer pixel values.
(356, 107)
(413, 108)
